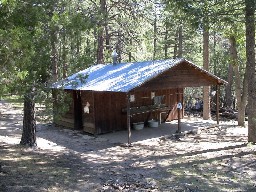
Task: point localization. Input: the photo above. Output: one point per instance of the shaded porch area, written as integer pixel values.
(163, 130)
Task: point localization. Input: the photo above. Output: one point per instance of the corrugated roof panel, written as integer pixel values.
(121, 77)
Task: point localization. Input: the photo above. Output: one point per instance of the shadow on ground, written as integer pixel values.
(210, 158)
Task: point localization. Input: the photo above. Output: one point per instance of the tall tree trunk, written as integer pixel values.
(176, 44)
(101, 30)
(206, 89)
(54, 54)
(130, 53)
(64, 56)
(180, 42)
(29, 122)
(107, 40)
(95, 44)
(250, 67)
(54, 62)
(166, 41)
(78, 42)
(214, 55)
(72, 46)
(228, 88)
(118, 47)
(88, 47)
(155, 38)
(100, 47)
(175, 51)
(241, 104)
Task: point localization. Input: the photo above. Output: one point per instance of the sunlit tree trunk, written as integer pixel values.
(101, 29)
(100, 46)
(228, 88)
(155, 38)
(241, 93)
(166, 41)
(250, 67)
(175, 48)
(180, 42)
(54, 62)
(64, 56)
(206, 89)
(29, 122)
(54, 53)
(130, 53)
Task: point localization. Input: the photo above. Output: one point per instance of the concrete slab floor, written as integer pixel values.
(163, 129)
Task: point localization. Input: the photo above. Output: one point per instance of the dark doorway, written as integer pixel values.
(78, 124)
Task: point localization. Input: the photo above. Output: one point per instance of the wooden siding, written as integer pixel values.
(143, 98)
(108, 114)
(179, 76)
(88, 118)
(106, 109)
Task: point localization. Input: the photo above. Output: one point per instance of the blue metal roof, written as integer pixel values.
(121, 77)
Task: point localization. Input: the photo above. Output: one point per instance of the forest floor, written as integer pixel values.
(209, 158)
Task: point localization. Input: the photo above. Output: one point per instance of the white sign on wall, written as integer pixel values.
(86, 108)
(179, 105)
(132, 98)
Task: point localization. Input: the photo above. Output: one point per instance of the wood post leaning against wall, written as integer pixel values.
(218, 104)
(128, 119)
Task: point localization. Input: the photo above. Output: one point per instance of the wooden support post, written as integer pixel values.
(129, 120)
(179, 108)
(96, 130)
(179, 128)
(218, 104)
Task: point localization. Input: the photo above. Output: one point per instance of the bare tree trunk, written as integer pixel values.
(250, 67)
(240, 104)
(214, 55)
(88, 46)
(228, 89)
(130, 53)
(107, 40)
(206, 89)
(78, 42)
(155, 38)
(54, 54)
(101, 29)
(118, 47)
(180, 42)
(72, 46)
(95, 44)
(175, 44)
(64, 56)
(29, 122)
(100, 47)
(166, 41)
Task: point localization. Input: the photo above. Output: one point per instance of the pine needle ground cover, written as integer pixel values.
(210, 159)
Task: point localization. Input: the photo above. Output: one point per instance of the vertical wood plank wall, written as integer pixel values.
(108, 111)
(88, 118)
(105, 111)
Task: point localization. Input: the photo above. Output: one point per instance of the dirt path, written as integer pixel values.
(207, 159)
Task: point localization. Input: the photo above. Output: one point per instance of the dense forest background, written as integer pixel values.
(42, 41)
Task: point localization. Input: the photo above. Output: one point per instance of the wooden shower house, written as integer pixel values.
(110, 97)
